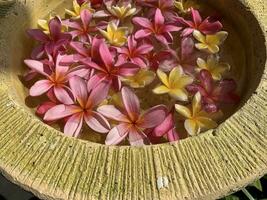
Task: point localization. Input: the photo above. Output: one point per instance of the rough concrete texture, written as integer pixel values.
(52, 166)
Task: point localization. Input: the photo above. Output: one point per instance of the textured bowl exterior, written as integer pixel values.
(42, 160)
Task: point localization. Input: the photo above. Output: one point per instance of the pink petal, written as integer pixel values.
(187, 47)
(80, 71)
(99, 93)
(172, 135)
(61, 111)
(138, 61)
(122, 58)
(210, 28)
(196, 17)
(38, 35)
(86, 17)
(182, 22)
(186, 32)
(55, 28)
(153, 117)
(165, 126)
(38, 52)
(162, 39)
(206, 80)
(40, 87)
(143, 22)
(131, 103)
(131, 43)
(94, 81)
(171, 28)
(93, 65)
(106, 55)
(79, 89)
(74, 125)
(44, 107)
(159, 19)
(144, 49)
(72, 24)
(51, 95)
(128, 69)
(97, 122)
(79, 47)
(117, 134)
(137, 137)
(142, 33)
(113, 113)
(63, 95)
(37, 66)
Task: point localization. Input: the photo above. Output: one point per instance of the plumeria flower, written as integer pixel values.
(131, 122)
(175, 84)
(158, 28)
(197, 120)
(156, 58)
(208, 26)
(214, 93)
(141, 79)
(135, 52)
(210, 43)
(213, 65)
(51, 43)
(55, 79)
(184, 6)
(83, 110)
(115, 35)
(122, 12)
(107, 68)
(76, 14)
(82, 28)
(167, 128)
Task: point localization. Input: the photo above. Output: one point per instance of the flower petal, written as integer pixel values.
(74, 125)
(98, 94)
(196, 104)
(40, 87)
(137, 137)
(79, 89)
(113, 113)
(117, 134)
(37, 66)
(164, 127)
(159, 19)
(162, 89)
(184, 111)
(143, 22)
(97, 122)
(163, 77)
(199, 36)
(63, 95)
(192, 127)
(131, 103)
(179, 94)
(61, 111)
(206, 123)
(153, 117)
(143, 33)
(106, 55)
(172, 135)
(38, 35)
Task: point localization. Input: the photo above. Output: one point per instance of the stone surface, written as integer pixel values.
(40, 159)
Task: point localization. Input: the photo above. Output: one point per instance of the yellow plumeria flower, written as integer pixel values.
(197, 120)
(210, 43)
(122, 12)
(77, 9)
(115, 35)
(175, 84)
(184, 6)
(213, 65)
(141, 79)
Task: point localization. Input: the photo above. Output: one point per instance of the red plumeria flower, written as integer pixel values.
(131, 122)
(108, 69)
(167, 128)
(83, 27)
(55, 79)
(208, 26)
(134, 53)
(52, 43)
(83, 110)
(157, 28)
(214, 93)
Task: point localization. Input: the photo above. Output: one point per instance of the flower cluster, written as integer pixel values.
(87, 67)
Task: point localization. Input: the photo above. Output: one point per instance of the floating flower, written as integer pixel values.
(107, 68)
(184, 6)
(131, 122)
(208, 26)
(51, 43)
(213, 65)
(214, 93)
(135, 52)
(115, 35)
(83, 110)
(197, 120)
(141, 79)
(167, 128)
(83, 28)
(157, 28)
(122, 12)
(79, 8)
(56, 79)
(210, 43)
(175, 84)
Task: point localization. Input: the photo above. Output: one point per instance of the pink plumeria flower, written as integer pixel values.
(83, 110)
(208, 26)
(134, 53)
(107, 68)
(83, 27)
(51, 43)
(167, 128)
(55, 79)
(157, 58)
(214, 93)
(158, 28)
(131, 122)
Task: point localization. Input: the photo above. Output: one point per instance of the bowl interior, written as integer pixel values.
(244, 49)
